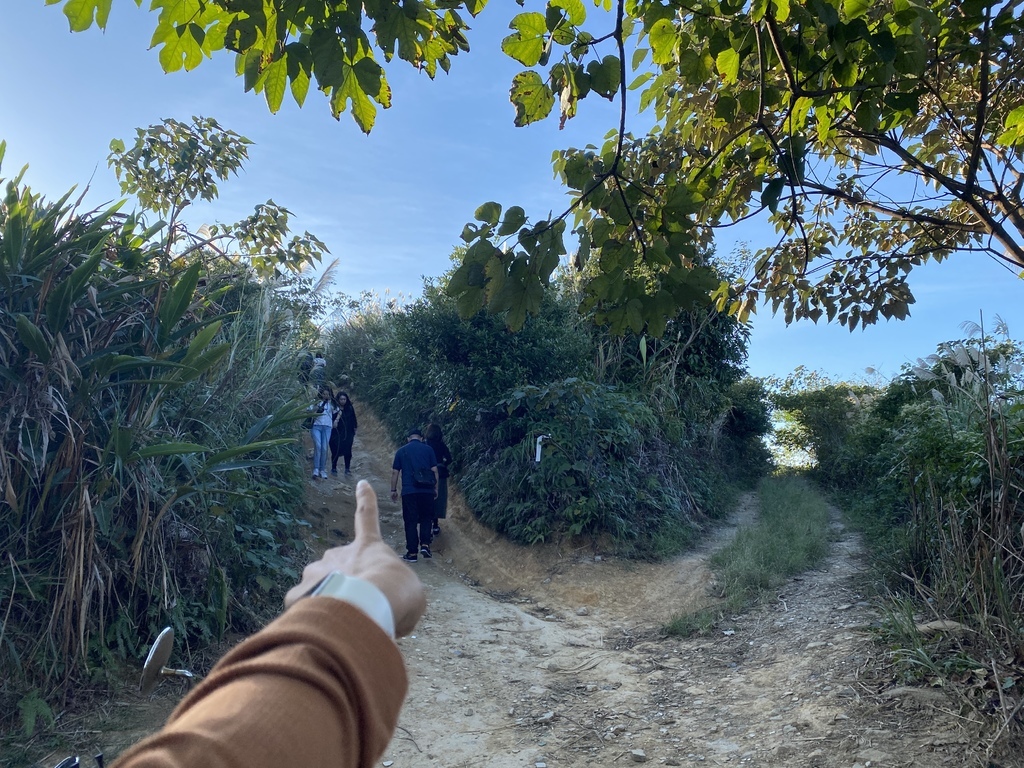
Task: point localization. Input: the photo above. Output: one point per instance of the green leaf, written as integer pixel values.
(201, 342)
(274, 81)
(33, 339)
(771, 193)
(605, 76)
(575, 11)
(178, 299)
(663, 38)
(854, 9)
(300, 70)
(515, 218)
(526, 44)
(728, 63)
(532, 98)
(80, 13)
(168, 449)
(240, 450)
(1015, 118)
(122, 437)
(489, 213)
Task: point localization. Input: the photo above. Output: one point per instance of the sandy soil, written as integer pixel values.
(553, 658)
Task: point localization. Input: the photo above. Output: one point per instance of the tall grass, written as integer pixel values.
(146, 467)
(791, 535)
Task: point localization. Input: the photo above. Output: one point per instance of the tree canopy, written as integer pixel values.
(874, 136)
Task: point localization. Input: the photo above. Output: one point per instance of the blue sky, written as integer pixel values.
(390, 206)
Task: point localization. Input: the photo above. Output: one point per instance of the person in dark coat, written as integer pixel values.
(344, 432)
(444, 457)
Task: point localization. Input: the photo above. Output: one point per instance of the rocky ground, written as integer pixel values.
(554, 658)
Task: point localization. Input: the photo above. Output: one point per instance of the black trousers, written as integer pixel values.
(418, 515)
(340, 448)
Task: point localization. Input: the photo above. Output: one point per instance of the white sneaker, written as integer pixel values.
(323, 473)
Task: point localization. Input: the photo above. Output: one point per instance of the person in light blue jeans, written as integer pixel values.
(323, 420)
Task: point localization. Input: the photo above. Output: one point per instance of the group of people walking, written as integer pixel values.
(421, 464)
(334, 429)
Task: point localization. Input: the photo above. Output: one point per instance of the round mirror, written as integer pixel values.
(156, 660)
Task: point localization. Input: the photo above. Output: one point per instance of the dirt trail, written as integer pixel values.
(547, 658)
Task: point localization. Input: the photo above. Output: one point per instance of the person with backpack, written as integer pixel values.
(416, 464)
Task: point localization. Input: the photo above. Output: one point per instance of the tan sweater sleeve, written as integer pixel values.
(322, 685)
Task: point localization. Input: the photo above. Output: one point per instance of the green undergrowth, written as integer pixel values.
(791, 535)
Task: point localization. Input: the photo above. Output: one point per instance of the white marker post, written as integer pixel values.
(540, 439)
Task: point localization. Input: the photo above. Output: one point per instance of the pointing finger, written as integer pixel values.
(367, 517)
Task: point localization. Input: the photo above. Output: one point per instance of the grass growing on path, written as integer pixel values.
(790, 536)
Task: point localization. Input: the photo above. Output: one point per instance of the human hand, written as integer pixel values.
(394, 495)
(369, 558)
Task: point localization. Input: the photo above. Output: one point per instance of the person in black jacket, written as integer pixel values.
(444, 457)
(344, 433)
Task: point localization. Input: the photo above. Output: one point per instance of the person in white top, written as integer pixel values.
(319, 368)
(324, 410)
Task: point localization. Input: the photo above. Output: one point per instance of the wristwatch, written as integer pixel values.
(362, 594)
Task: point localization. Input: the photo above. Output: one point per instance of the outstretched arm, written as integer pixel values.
(322, 684)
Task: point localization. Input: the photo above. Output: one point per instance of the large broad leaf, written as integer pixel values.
(663, 38)
(575, 11)
(80, 13)
(274, 82)
(489, 213)
(532, 98)
(526, 44)
(515, 218)
(605, 76)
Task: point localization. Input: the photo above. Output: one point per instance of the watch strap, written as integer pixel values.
(362, 594)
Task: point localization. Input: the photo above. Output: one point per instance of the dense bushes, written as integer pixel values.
(636, 429)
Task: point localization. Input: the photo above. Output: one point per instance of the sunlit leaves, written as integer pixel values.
(575, 11)
(854, 9)
(81, 14)
(526, 44)
(728, 64)
(1013, 128)
(284, 47)
(663, 37)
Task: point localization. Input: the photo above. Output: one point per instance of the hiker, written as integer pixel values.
(323, 421)
(305, 367)
(416, 464)
(343, 433)
(435, 440)
(319, 368)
